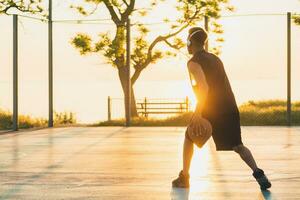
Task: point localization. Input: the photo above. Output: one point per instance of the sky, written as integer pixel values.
(254, 55)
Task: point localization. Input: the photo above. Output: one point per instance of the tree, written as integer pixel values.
(296, 18)
(31, 6)
(144, 53)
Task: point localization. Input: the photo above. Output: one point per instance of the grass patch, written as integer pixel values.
(26, 121)
(252, 113)
(268, 113)
(179, 120)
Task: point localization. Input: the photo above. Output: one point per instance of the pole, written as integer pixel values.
(108, 108)
(187, 103)
(145, 101)
(128, 91)
(206, 21)
(15, 72)
(289, 111)
(50, 66)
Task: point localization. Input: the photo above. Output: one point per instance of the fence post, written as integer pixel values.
(181, 107)
(145, 102)
(206, 21)
(187, 103)
(128, 91)
(108, 108)
(289, 69)
(50, 66)
(15, 73)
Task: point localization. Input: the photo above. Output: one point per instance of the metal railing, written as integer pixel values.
(153, 106)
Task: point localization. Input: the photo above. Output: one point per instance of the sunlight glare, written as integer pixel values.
(199, 169)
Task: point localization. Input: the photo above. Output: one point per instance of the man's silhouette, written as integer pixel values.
(216, 103)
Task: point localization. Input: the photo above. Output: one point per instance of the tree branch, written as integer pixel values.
(128, 11)
(94, 10)
(112, 12)
(124, 1)
(25, 10)
(32, 7)
(136, 75)
(164, 38)
(6, 9)
(170, 45)
(158, 39)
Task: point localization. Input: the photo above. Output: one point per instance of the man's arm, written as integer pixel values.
(201, 85)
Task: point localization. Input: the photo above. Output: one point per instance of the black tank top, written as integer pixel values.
(220, 98)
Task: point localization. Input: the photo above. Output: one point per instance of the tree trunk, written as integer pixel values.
(133, 104)
(123, 79)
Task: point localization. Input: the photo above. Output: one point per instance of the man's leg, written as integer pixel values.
(246, 155)
(258, 173)
(188, 149)
(183, 179)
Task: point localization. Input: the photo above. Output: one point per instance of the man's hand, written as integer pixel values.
(196, 126)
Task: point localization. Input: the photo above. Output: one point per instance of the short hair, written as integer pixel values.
(198, 38)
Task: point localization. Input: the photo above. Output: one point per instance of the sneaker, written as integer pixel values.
(182, 181)
(261, 178)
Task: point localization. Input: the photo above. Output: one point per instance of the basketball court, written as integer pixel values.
(140, 163)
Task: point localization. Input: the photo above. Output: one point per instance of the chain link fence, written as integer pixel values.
(6, 73)
(255, 57)
(254, 52)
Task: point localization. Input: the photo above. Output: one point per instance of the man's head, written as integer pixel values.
(196, 39)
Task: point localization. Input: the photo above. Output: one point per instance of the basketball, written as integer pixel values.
(202, 135)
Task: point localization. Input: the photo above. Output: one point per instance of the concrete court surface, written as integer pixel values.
(139, 163)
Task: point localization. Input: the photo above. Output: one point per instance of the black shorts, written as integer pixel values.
(226, 131)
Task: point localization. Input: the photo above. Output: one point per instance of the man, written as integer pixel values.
(215, 103)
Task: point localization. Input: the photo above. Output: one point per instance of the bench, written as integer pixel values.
(147, 106)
